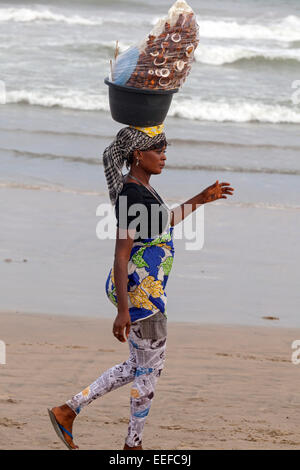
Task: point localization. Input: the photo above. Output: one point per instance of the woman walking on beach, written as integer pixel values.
(144, 254)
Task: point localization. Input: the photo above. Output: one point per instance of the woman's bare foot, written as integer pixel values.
(65, 416)
(126, 447)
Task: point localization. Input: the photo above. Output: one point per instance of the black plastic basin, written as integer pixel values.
(137, 107)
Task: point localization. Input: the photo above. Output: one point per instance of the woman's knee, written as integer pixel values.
(127, 368)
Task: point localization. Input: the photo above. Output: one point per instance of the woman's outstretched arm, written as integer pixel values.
(210, 194)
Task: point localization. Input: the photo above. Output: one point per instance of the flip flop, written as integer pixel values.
(59, 428)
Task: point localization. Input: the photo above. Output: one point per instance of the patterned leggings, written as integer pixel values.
(143, 367)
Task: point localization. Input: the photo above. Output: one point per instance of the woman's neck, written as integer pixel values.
(140, 174)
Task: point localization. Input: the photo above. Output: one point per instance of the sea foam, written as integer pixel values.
(196, 109)
(282, 29)
(220, 55)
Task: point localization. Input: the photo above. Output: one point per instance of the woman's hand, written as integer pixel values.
(122, 321)
(216, 191)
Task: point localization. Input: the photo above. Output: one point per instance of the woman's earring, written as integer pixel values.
(137, 163)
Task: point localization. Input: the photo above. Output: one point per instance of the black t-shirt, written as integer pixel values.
(150, 219)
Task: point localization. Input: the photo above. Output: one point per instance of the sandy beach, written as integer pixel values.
(228, 382)
(223, 387)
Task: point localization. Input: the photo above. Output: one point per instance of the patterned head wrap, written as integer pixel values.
(127, 140)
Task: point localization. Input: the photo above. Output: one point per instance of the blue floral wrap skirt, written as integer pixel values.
(149, 267)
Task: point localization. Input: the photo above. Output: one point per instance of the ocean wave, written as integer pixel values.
(38, 14)
(103, 194)
(80, 44)
(88, 47)
(196, 109)
(186, 167)
(51, 188)
(225, 111)
(71, 99)
(258, 205)
(220, 55)
(51, 156)
(284, 29)
(172, 141)
(204, 54)
(57, 132)
(294, 44)
(235, 145)
(28, 15)
(234, 169)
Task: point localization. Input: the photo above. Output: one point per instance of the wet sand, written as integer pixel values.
(223, 387)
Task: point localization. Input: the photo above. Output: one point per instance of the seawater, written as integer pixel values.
(234, 120)
(57, 54)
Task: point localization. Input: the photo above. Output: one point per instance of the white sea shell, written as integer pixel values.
(163, 82)
(192, 48)
(157, 63)
(154, 54)
(176, 37)
(158, 72)
(179, 65)
(165, 72)
(164, 44)
(151, 72)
